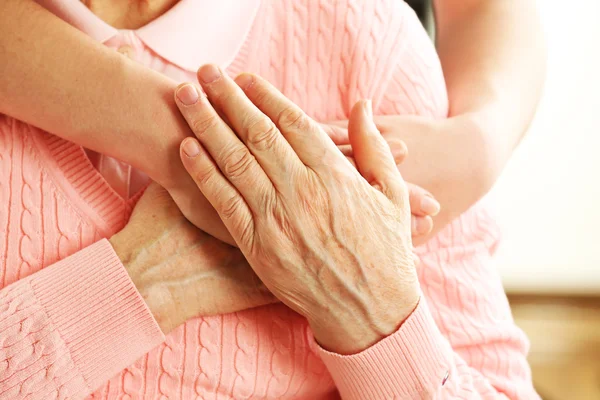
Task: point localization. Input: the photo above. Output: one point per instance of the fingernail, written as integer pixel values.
(414, 222)
(187, 94)
(191, 148)
(430, 206)
(209, 73)
(244, 81)
(368, 107)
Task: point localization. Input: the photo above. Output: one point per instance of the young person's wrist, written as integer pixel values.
(164, 166)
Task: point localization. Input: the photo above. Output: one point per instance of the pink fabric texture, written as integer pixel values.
(72, 324)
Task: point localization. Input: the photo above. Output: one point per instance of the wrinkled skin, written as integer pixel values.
(331, 244)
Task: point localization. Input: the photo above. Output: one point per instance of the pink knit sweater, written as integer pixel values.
(73, 325)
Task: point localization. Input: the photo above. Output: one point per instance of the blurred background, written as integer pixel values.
(548, 204)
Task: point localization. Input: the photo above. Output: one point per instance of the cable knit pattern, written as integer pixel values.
(72, 324)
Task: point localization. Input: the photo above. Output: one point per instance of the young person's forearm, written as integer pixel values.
(493, 57)
(57, 78)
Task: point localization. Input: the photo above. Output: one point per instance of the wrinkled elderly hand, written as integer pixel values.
(423, 205)
(331, 244)
(180, 271)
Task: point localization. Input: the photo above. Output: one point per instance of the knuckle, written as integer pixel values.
(261, 95)
(398, 150)
(237, 162)
(224, 94)
(292, 118)
(245, 227)
(262, 134)
(204, 123)
(204, 176)
(394, 188)
(230, 206)
(401, 148)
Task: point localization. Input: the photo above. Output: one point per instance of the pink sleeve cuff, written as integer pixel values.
(98, 312)
(411, 363)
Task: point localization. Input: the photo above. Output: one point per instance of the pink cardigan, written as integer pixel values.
(72, 324)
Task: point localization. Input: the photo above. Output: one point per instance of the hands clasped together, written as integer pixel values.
(331, 241)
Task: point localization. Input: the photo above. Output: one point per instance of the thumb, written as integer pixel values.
(372, 154)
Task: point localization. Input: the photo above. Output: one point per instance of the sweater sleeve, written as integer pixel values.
(417, 362)
(70, 327)
(460, 342)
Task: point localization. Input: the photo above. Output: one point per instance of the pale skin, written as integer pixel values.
(491, 53)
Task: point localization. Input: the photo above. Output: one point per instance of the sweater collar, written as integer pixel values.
(190, 34)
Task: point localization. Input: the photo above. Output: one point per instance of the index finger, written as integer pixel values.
(232, 157)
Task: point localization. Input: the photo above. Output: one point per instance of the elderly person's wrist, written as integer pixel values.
(353, 326)
(180, 271)
(124, 244)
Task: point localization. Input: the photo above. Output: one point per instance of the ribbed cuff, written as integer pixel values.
(412, 363)
(100, 315)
